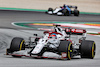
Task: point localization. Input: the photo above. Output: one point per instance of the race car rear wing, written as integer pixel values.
(72, 31)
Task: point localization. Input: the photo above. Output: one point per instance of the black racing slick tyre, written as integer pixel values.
(50, 9)
(65, 12)
(66, 46)
(88, 49)
(76, 12)
(17, 44)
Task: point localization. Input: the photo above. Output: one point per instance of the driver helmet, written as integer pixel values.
(64, 5)
(53, 36)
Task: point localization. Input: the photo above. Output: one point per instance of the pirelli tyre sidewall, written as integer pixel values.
(66, 46)
(88, 49)
(17, 44)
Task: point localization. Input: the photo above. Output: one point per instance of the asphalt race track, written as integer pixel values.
(7, 17)
(8, 31)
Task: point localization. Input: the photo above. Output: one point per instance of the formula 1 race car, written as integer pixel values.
(61, 43)
(65, 10)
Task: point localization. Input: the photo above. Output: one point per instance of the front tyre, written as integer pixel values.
(17, 44)
(50, 9)
(66, 46)
(88, 49)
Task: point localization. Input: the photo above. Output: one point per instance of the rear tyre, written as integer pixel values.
(76, 12)
(17, 44)
(66, 46)
(65, 12)
(88, 49)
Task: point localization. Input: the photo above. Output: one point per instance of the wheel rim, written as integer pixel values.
(21, 44)
(93, 50)
(69, 51)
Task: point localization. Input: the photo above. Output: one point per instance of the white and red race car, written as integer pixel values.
(61, 43)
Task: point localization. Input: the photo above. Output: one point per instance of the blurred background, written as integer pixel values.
(83, 5)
